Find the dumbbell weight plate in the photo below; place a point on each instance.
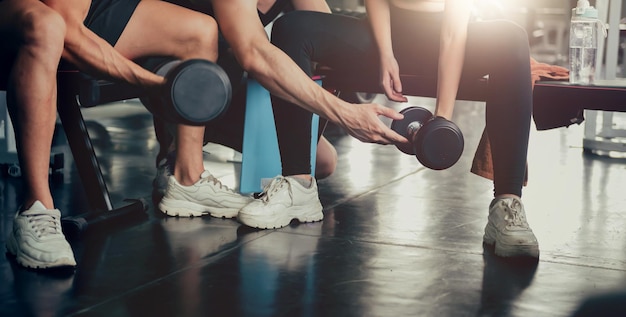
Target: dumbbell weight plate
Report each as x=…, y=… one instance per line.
x=439, y=144
x=411, y=114
x=200, y=90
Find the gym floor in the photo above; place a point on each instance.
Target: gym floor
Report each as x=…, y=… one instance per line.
x=397, y=239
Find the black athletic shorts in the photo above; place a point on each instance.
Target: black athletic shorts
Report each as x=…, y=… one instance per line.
x=108, y=18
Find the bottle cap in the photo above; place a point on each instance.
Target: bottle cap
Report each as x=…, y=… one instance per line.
x=585, y=10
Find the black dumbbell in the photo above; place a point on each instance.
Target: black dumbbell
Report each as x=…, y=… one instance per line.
x=196, y=91
x=435, y=141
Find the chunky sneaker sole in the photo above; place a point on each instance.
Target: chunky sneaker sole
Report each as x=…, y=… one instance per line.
x=24, y=260
x=37, y=241
x=181, y=208
x=208, y=196
x=508, y=250
x=283, y=200
x=302, y=214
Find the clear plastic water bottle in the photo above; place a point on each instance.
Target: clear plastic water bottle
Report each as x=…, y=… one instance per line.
x=583, y=43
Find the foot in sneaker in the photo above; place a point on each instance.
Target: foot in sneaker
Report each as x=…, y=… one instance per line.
x=37, y=240
x=508, y=229
x=283, y=200
x=206, y=196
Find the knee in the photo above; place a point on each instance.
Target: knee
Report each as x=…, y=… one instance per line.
x=326, y=159
x=200, y=38
x=291, y=28
x=43, y=32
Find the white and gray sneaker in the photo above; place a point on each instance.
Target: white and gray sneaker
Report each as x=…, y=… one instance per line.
x=207, y=196
x=37, y=240
x=508, y=229
x=283, y=200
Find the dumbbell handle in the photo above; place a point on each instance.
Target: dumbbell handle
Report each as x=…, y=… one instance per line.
x=435, y=141
x=413, y=128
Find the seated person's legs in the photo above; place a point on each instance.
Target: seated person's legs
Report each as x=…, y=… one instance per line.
x=185, y=35
x=228, y=130
x=501, y=50
x=498, y=49
x=341, y=42
x=32, y=36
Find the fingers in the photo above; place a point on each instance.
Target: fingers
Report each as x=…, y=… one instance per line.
x=394, y=95
x=386, y=134
x=396, y=83
x=389, y=113
x=392, y=137
x=393, y=88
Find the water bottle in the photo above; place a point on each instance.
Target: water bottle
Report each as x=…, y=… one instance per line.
x=583, y=43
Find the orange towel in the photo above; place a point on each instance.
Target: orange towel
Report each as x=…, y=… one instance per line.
x=483, y=163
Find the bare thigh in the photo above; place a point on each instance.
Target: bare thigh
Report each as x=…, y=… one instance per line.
x=165, y=29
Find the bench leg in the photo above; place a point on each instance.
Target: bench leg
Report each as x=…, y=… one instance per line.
x=102, y=210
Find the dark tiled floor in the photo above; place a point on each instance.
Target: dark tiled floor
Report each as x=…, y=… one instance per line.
x=397, y=239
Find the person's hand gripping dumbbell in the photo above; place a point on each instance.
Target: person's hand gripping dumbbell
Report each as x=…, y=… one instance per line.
x=435, y=141
x=195, y=92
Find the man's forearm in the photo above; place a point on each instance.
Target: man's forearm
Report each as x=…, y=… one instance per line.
x=92, y=54
x=283, y=78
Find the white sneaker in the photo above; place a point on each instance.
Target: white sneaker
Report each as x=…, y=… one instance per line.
x=508, y=229
x=206, y=196
x=37, y=240
x=283, y=200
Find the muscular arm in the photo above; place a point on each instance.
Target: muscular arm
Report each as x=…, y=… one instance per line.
x=275, y=70
x=240, y=25
x=451, y=54
x=92, y=54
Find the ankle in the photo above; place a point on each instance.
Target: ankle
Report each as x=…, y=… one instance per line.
x=187, y=177
x=507, y=196
x=304, y=179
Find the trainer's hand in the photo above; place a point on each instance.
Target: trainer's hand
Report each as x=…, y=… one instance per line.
x=362, y=122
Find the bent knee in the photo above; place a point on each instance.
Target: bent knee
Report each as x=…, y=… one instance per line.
x=293, y=26
x=200, y=37
x=42, y=28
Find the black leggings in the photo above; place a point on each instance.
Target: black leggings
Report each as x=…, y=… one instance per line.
x=495, y=48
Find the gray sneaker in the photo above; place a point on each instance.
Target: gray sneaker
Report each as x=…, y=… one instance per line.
x=508, y=229
x=207, y=196
x=37, y=240
x=282, y=200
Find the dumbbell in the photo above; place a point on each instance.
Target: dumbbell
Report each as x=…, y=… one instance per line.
x=435, y=141
x=196, y=91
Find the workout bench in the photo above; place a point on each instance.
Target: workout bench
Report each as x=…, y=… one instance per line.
x=555, y=103
x=76, y=90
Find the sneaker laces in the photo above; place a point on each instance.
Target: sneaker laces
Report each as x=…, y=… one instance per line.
x=270, y=189
x=44, y=224
x=216, y=182
x=515, y=214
